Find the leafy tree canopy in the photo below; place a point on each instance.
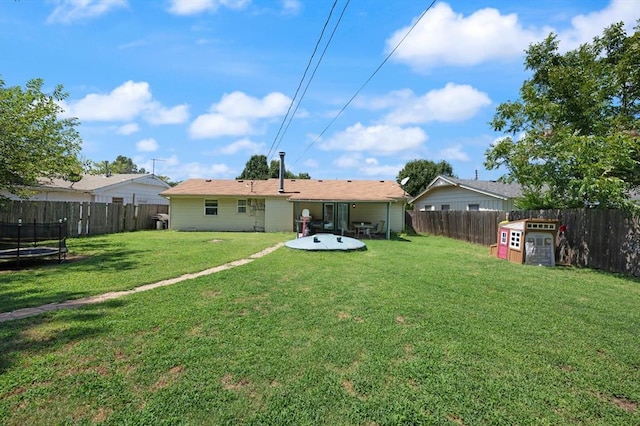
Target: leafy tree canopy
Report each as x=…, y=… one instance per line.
x=34, y=141
x=121, y=165
x=258, y=169
x=421, y=173
x=274, y=172
x=572, y=138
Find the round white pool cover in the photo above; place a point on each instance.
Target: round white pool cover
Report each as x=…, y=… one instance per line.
x=325, y=242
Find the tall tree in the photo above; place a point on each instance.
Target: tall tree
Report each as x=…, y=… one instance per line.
x=572, y=138
x=274, y=172
x=421, y=173
x=256, y=168
x=121, y=165
x=34, y=141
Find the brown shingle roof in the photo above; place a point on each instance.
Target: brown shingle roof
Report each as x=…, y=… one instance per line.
x=294, y=189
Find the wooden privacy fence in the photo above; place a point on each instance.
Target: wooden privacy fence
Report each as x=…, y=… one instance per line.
x=601, y=239
x=84, y=218
x=473, y=226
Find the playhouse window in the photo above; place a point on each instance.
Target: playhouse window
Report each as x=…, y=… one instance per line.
x=515, y=239
x=503, y=237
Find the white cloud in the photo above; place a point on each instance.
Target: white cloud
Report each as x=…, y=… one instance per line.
x=215, y=125
x=124, y=103
x=311, y=163
x=389, y=171
x=380, y=139
x=128, y=129
x=291, y=7
x=237, y=114
x=238, y=104
x=453, y=153
x=67, y=11
x=147, y=145
x=194, y=7
x=586, y=27
x=157, y=114
x=242, y=145
x=444, y=37
x=452, y=103
x=348, y=161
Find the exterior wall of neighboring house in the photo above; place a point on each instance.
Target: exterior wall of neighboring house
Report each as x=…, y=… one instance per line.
x=53, y=195
x=131, y=193
x=143, y=190
x=456, y=198
x=278, y=215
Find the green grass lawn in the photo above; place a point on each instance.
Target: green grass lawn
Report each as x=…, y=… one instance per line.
x=421, y=331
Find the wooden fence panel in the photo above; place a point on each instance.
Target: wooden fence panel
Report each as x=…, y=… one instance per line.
x=600, y=239
x=475, y=227
x=83, y=218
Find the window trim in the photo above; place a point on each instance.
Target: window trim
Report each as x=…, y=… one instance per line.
x=209, y=204
x=242, y=208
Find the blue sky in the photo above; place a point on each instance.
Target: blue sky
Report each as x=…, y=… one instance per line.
x=202, y=85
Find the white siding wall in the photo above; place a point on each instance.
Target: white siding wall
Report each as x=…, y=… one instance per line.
x=143, y=194
x=187, y=214
x=53, y=196
x=459, y=199
x=278, y=215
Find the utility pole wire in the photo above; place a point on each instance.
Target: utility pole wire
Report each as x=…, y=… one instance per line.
x=367, y=81
x=326, y=47
x=315, y=49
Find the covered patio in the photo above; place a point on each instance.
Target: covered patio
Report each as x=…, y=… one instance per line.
x=359, y=209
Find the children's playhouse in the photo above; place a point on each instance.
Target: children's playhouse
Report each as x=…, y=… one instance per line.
x=529, y=241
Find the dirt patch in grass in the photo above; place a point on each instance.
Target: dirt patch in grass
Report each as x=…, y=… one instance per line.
x=349, y=388
x=102, y=415
x=169, y=377
x=620, y=401
x=343, y=315
x=215, y=241
x=27, y=264
x=400, y=319
x=230, y=384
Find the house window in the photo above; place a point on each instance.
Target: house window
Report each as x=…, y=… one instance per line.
x=210, y=207
x=427, y=208
x=444, y=207
x=117, y=200
x=473, y=207
x=514, y=243
x=242, y=206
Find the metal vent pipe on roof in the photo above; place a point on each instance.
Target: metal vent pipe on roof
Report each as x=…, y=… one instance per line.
x=281, y=189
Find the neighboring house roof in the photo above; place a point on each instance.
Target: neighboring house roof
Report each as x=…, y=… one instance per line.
x=90, y=183
x=294, y=189
x=491, y=188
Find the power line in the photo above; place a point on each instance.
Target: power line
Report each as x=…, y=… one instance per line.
x=326, y=47
x=367, y=81
x=315, y=49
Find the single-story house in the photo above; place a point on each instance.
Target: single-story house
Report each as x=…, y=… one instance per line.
x=117, y=188
x=276, y=205
x=448, y=193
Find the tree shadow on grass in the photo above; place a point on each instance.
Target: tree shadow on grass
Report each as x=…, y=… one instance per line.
x=49, y=332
